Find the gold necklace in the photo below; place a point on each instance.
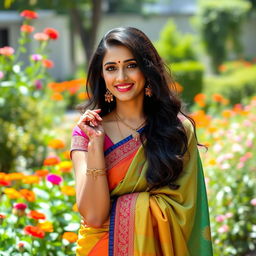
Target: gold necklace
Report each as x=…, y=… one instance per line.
x=135, y=133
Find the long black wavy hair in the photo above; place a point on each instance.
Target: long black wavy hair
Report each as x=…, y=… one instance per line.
x=166, y=140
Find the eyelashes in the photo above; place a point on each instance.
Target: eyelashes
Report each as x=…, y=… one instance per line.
x=112, y=68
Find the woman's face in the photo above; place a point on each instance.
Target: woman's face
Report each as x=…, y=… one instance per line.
x=122, y=75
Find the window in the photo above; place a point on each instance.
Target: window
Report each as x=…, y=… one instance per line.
x=4, y=37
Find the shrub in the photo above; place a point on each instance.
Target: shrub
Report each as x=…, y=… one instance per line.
x=174, y=47
x=189, y=74
x=235, y=83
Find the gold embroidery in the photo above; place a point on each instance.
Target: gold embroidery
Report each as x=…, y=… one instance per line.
x=79, y=142
x=207, y=233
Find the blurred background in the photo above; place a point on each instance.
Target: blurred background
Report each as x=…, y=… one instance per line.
x=210, y=47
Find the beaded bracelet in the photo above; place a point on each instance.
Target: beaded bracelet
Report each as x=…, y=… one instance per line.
x=95, y=172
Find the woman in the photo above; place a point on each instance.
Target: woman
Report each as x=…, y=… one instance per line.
x=139, y=180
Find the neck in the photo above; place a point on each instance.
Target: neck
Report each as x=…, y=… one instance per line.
x=130, y=111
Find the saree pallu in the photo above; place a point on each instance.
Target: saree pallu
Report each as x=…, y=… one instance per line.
x=156, y=222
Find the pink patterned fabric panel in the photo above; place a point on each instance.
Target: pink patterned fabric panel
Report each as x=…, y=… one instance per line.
x=124, y=225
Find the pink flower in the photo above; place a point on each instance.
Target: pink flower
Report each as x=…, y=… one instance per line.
x=249, y=143
x=223, y=229
x=38, y=84
x=253, y=202
x=240, y=165
x=54, y=179
x=1, y=74
x=20, y=206
x=229, y=215
x=220, y=218
x=36, y=57
x=41, y=37
x=7, y=51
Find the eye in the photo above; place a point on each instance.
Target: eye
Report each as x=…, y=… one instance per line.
x=132, y=65
x=110, y=68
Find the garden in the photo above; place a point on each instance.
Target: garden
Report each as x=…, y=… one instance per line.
x=38, y=213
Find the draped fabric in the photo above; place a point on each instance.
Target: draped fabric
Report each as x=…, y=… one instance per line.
x=157, y=222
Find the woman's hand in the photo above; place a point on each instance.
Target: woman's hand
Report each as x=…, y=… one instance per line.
x=90, y=124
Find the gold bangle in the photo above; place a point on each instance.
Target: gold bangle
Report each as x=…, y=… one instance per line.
x=94, y=172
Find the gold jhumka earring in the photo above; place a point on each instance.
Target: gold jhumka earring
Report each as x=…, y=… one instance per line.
x=108, y=96
x=148, y=91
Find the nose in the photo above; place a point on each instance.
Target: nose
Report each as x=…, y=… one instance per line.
x=121, y=76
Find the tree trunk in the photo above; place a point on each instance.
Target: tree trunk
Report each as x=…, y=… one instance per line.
x=87, y=35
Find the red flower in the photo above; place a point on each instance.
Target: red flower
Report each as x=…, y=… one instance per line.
x=52, y=33
x=34, y=231
x=27, y=28
x=36, y=215
x=48, y=63
x=29, y=14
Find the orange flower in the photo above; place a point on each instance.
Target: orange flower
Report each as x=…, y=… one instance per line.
x=74, y=208
x=56, y=144
x=28, y=195
x=48, y=63
x=34, y=231
x=82, y=96
x=12, y=193
x=36, y=215
x=227, y=113
x=70, y=236
x=178, y=87
x=51, y=160
x=222, y=68
x=15, y=176
x=41, y=173
x=30, y=179
x=4, y=180
x=57, y=96
x=27, y=28
x=29, y=14
x=66, y=154
x=7, y=51
x=41, y=37
x=217, y=97
x=65, y=166
x=200, y=99
x=57, y=87
x=52, y=33
x=45, y=226
x=68, y=190
x=201, y=119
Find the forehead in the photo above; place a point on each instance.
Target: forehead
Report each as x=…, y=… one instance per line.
x=117, y=53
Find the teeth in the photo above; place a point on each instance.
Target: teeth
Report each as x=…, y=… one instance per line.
x=124, y=87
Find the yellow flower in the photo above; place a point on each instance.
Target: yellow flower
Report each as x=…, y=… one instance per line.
x=65, y=166
x=30, y=179
x=12, y=193
x=68, y=190
x=15, y=176
x=45, y=226
x=74, y=208
x=212, y=162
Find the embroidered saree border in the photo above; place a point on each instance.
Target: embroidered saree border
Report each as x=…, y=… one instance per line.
x=123, y=242
x=120, y=153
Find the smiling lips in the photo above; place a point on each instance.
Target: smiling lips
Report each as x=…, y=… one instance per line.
x=124, y=87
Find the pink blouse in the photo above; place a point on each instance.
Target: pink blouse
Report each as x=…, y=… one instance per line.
x=80, y=141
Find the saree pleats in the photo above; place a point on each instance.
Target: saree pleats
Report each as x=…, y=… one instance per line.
x=156, y=222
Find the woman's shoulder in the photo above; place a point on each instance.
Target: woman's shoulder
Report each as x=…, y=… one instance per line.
x=188, y=125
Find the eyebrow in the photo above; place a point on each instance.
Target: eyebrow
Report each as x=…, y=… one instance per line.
x=115, y=62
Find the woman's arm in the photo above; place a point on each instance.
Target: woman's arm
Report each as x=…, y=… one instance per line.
x=92, y=194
